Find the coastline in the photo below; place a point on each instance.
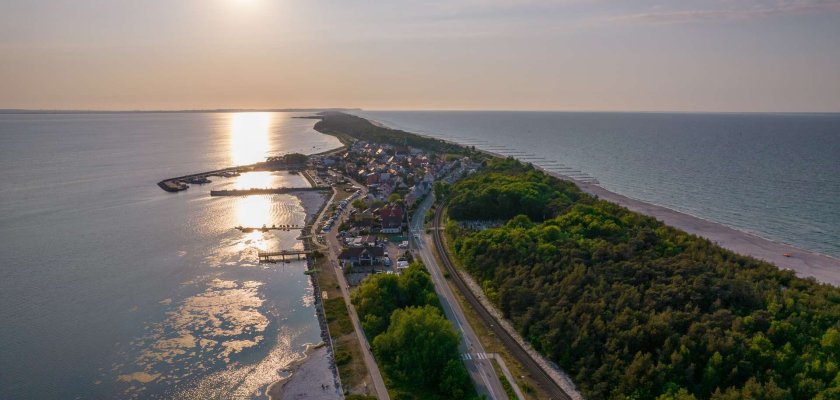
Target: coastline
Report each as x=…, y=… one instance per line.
x=805, y=263
x=305, y=374
x=317, y=366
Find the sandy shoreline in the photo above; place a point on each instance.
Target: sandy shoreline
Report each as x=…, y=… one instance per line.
x=311, y=378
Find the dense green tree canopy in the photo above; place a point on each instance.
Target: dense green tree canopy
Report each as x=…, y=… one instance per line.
x=507, y=188
x=417, y=346
x=632, y=308
x=414, y=344
x=379, y=295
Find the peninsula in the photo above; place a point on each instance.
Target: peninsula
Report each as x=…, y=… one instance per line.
x=626, y=305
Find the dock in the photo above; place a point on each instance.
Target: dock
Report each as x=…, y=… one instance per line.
x=275, y=256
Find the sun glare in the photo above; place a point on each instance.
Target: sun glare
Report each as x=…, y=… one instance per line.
x=256, y=179
x=249, y=137
x=253, y=211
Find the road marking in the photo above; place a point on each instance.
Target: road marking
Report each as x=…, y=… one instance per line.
x=477, y=356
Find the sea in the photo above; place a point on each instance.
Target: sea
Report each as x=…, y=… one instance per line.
x=773, y=175
x=111, y=288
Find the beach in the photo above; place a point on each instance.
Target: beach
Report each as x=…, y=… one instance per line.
x=306, y=376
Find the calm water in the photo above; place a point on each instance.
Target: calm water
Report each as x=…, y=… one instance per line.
x=112, y=288
x=777, y=176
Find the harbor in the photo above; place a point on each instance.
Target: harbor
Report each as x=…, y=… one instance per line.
x=293, y=163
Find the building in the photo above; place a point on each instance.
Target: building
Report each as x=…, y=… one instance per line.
x=358, y=256
x=392, y=217
x=365, y=241
x=364, y=218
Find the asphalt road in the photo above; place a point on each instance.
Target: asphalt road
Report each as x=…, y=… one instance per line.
x=478, y=365
x=532, y=367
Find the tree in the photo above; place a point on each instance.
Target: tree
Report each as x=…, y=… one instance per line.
x=417, y=347
x=295, y=158
x=394, y=198
x=359, y=204
x=441, y=189
x=375, y=300
x=379, y=295
x=632, y=308
x=456, y=380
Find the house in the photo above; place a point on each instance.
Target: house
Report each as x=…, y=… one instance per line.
x=392, y=217
x=365, y=218
x=357, y=256
x=364, y=241
x=368, y=240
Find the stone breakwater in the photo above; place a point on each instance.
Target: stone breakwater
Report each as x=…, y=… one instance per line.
x=322, y=322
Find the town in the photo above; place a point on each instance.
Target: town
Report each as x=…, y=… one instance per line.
x=385, y=183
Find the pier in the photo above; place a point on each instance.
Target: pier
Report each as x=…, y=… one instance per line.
x=255, y=191
x=274, y=256
x=264, y=228
x=180, y=183
x=274, y=163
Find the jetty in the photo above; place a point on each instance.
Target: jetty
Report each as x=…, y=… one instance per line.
x=273, y=163
x=265, y=228
x=255, y=191
x=180, y=183
x=282, y=255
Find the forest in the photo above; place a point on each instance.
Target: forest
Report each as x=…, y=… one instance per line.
x=415, y=346
x=634, y=309
x=346, y=126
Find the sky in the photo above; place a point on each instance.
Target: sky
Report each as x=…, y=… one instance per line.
x=594, y=55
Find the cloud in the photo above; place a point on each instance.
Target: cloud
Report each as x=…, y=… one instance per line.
x=739, y=13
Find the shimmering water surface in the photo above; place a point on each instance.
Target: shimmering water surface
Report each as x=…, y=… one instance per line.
x=775, y=175
x=113, y=288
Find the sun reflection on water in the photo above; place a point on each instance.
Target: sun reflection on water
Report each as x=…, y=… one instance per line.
x=249, y=137
x=253, y=211
x=256, y=179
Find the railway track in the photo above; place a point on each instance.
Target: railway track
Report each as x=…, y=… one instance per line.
x=542, y=378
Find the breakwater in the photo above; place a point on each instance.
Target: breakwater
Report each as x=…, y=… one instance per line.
x=180, y=183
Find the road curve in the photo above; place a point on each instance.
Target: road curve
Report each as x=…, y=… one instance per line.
x=542, y=379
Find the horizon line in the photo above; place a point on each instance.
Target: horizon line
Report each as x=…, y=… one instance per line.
x=344, y=109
